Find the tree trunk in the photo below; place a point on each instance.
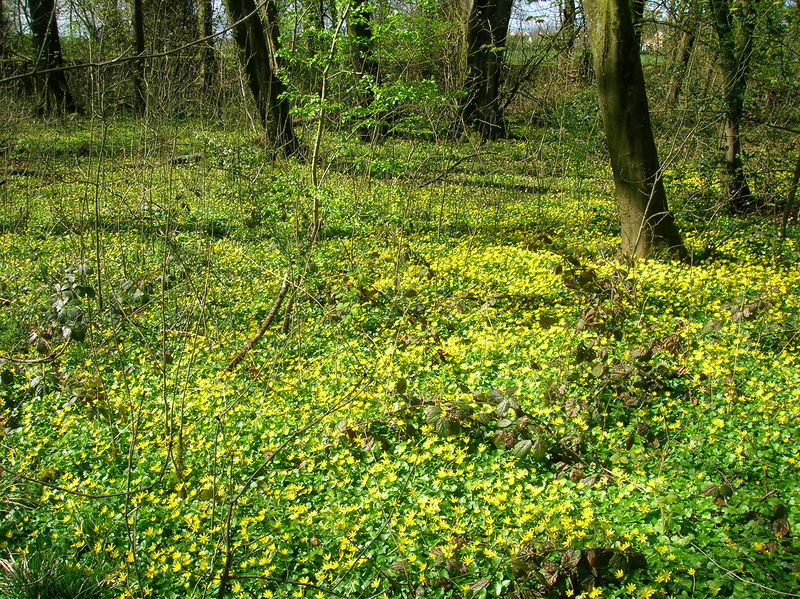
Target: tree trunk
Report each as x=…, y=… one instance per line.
x=3, y=31
x=789, y=205
x=487, y=28
x=359, y=28
x=139, y=87
x=257, y=49
x=683, y=52
x=208, y=60
x=568, y=25
x=56, y=95
x=182, y=19
x=646, y=221
x=735, y=37
x=637, y=15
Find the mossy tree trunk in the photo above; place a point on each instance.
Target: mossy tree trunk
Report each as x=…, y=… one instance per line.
x=646, y=221
x=258, y=42
x=56, y=95
x=734, y=26
x=487, y=29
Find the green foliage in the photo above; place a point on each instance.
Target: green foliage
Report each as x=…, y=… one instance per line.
x=45, y=575
x=466, y=394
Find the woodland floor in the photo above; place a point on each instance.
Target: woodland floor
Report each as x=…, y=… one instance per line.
x=466, y=393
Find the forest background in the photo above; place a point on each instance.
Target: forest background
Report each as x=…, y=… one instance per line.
x=351, y=298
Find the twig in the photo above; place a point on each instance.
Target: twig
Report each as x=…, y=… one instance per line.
x=276, y=305
x=225, y=576
x=31, y=479
x=448, y=169
x=122, y=58
x=744, y=580
x=768, y=495
x=772, y=125
x=49, y=358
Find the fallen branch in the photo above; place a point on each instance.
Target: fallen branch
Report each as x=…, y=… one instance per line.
x=265, y=324
x=449, y=168
x=171, y=161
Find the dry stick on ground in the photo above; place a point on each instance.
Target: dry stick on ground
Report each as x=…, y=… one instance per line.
x=449, y=168
x=172, y=161
x=276, y=305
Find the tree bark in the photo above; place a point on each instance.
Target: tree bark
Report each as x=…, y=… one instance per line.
x=637, y=16
x=208, y=60
x=568, y=25
x=359, y=28
x=139, y=86
x=487, y=29
x=3, y=31
x=258, y=44
x=683, y=52
x=56, y=95
x=789, y=205
x=735, y=37
x=646, y=221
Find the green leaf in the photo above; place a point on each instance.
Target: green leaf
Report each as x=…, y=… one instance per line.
x=479, y=585
x=522, y=448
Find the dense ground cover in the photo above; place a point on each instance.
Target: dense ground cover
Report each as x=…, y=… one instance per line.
x=467, y=393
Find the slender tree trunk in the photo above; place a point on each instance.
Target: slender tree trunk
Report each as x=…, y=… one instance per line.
x=257, y=48
x=359, y=27
x=3, y=31
x=683, y=53
x=735, y=37
x=568, y=25
x=487, y=28
x=582, y=55
x=56, y=95
x=789, y=205
x=185, y=17
x=139, y=86
x=646, y=221
x=208, y=60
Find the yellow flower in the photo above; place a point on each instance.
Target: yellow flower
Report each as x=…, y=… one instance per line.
x=595, y=592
